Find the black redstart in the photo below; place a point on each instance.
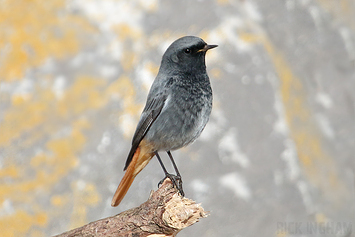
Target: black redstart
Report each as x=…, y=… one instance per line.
x=178, y=107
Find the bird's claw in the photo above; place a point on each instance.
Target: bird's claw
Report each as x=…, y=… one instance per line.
x=177, y=182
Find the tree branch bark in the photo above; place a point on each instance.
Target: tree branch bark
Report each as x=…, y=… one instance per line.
x=163, y=215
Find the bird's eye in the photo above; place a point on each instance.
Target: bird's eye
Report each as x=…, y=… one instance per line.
x=187, y=51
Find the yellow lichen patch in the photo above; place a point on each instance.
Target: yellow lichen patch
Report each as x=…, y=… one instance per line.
x=153, y=68
x=10, y=172
x=67, y=147
x=204, y=34
x=282, y=233
x=321, y=218
x=215, y=73
x=39, y=160
x=24, y=222
x=125, y=31
x=85, y=195
x=58, y=200
x=18, y=100
x=32, y=31
x=250, y=38
x=129, y=60
x=23, y=118
x=125, y=90
x=84, y=94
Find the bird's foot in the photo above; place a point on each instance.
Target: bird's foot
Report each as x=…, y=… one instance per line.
x=177, y=182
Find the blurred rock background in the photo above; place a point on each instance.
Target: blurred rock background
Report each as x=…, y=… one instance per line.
x=278, y=150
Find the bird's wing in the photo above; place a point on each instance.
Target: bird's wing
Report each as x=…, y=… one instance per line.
x=149, y=115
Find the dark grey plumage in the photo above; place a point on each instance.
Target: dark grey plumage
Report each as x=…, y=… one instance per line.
x=179, y=102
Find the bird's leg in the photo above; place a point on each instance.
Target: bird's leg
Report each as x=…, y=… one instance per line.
x=178, y=176
x=175, y=179
x=175, y=166
x=161, y=163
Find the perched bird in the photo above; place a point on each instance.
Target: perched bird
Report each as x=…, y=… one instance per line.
x=178, y=107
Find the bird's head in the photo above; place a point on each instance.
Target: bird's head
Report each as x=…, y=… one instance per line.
x=186, y=54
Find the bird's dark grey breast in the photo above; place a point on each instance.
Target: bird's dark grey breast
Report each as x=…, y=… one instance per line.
x=185, y=113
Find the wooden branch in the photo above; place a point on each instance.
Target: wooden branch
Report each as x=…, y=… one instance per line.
x=163, y=215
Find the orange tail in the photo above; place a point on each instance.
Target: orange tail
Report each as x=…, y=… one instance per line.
x=140, y=159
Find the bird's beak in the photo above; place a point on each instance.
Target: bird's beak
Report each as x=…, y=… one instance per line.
x=207, y=47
